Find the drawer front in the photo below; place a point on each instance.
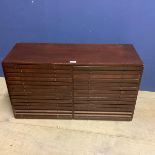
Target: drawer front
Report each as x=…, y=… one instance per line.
x=40, y=90
x=68, y=91
x=102, y=92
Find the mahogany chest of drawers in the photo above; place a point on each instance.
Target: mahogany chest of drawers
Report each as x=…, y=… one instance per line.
x=73, y=81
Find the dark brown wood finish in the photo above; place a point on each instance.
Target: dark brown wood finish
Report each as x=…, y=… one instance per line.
x=102, y=84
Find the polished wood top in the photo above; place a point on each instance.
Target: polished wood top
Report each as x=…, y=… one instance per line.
x=85, y=54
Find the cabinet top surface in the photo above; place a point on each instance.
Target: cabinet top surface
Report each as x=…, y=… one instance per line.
x=102, y=54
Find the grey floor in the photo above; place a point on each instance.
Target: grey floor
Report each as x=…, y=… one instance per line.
x=75, y=137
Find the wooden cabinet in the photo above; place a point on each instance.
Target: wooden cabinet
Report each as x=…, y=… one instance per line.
x=73, y=81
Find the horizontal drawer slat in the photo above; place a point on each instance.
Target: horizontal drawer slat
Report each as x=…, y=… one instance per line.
x=51, y=107
x=104, y=95
x=98, y=117
x=93, y=81
x=107, y=72
x=45, y=75
x=112, y=109
x=103, y=76
x=100, y=89
x=35, y=87
x=37, y=66
x=39, y=79
x=53, y=83
x=103, y=99
x=28, y=97
x=43, y=116
x=45, y=111
x=102, y=106
x=102, y=68
x=33, y=93
x=104, y=102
